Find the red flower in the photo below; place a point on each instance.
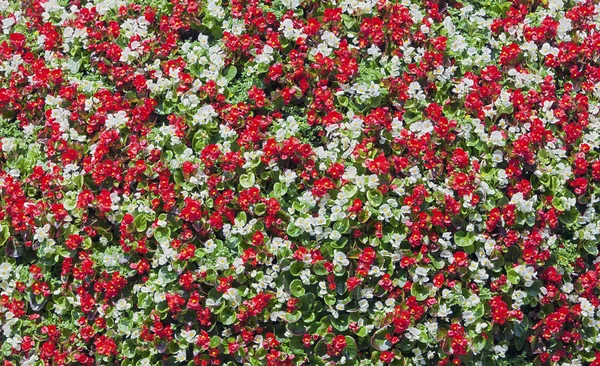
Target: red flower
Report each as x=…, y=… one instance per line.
x=105, y=346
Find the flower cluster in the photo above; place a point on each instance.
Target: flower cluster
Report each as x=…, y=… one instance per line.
x=299, y=182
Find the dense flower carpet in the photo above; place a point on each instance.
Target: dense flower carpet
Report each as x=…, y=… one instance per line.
x=299, y=182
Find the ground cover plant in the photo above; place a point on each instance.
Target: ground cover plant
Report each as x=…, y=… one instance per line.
x=299, y=182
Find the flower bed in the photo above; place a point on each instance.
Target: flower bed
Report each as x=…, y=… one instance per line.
x=294, y=182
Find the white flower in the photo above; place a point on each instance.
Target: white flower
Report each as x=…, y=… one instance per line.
x=181, y=356
x=204, y=115
x=396, y=240
x=421, y=271
x=564, y=27
x=30, y=361
x=459, y=44
x=291, y=4
x=8, y=144
x=421, y=127
x=122, y=304
x=469, y=317
x=189, y=335
x=496, y=138
x=587, y=309
x=330, y=39
x=567, y=287
x=528, y=274
x=547, y=49
x=497, y=156
x=415, y=91
x=335, y=235
x=443, y=311
x=339, y=258
x=374, y=50
x=210, y=246
x=41, y=233
x=500, y=350
x=116, y=121
x=222, y=263
x=522, y=204
x=5, y=269
x=364, y=305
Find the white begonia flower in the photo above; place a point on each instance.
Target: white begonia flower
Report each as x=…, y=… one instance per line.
x=221, y=263
x=41, y=233
x=117, y=120
x=496, y=138
x=421, y=127
x=122, y=305
x=189, y=335
x=8, y=144
x=339, y=258
x=330, y=39
x=469, y=317
x=5, y=270
x=443, y=311
x=291, y=4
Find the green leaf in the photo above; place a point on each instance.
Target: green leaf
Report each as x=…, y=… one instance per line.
x=167, y=275
x=340, y=243
x=342, y=226
x=558, y=203
x=162, y=234
x=419, y=291
x=260, y=209
x=589, y=247
x=479, y=343
x=296, y=268
x=351, y=349
x=215, y=341
x=140, y=223
x=208, y=22
x=350, y=190
x=297, y=288
x=128, y=349
x=479, y=310
x=488, y=361
x=242, y=218
x=4, y=232
x=125, y=325
x=231, y=72
x=247, y=180
x=512, y=276
x=293, y=230
x=78, y=181
x=521, y=327
x=348, y=21
x=375, y=197
x=569, y=217
x=500, y=8
x=227, y=316
x=379, y=340
x=534, y=289
x=555, y=184
x=164, y=108
x=319, y=268
x=362, y=332
x=293, y=317
x=329, y=299
x=340, y=323
x=295, y=328
x=279, y=189
x=364, y=216
x=464, y=239
x=144, y=300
